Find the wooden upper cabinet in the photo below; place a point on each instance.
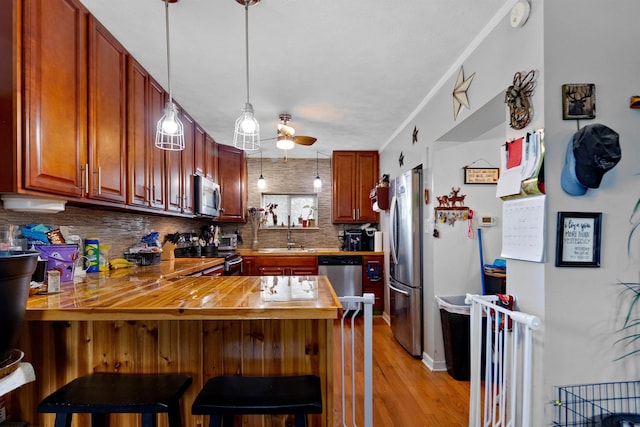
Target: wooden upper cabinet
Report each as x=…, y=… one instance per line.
x=211, y=158
x=188, y=163
x=199, y=150
x=355, y=173
x=107, y=115
x=139, y=137
x=157, y=173
x=232, y=177
x=55, y=97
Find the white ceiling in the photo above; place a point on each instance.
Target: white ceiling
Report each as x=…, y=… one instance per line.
x=350, y=72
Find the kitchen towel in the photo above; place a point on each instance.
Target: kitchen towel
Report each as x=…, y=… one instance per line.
x=377, y=242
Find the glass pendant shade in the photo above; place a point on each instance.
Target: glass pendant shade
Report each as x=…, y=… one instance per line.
x=169, y=130
x=317, y=182
x=246, y=135
x=284, y=142
x=261, y=182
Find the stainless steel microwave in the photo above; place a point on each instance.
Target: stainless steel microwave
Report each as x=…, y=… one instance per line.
x=228, y=242
x=207, y=196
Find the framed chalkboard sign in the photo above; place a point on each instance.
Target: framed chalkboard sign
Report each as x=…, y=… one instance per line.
x=578, y=239
x=481, y=175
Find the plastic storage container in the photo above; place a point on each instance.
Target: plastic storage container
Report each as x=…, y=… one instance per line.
x=61, y=258
x=455, y=316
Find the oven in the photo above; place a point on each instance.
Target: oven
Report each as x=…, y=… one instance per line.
x=233, y=265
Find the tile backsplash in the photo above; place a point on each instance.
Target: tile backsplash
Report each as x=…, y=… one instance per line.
x=122, y=229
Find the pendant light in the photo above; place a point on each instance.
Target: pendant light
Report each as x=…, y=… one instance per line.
x=246, y=135
x=169, y=130
x=261, y=181
x=317, y=182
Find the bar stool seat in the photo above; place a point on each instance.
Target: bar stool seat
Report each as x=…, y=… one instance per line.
x=225, y=396
x=101, y=394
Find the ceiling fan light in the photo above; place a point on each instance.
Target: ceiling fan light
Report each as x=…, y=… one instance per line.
x=169, y=130
x=284, y=142
x=286, y=129
x=246, y=135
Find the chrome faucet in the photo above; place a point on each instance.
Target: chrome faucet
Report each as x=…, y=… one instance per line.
x=290, y=244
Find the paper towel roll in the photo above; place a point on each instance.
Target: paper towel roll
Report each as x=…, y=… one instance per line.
x=377, y=242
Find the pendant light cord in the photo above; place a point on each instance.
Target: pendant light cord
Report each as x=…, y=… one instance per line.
x=166, y=10
x=246, y=41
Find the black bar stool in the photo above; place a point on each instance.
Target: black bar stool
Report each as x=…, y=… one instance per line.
x=224, y=397
x=101, y=394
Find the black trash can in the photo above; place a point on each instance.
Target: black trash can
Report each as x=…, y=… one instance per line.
x=455, y=316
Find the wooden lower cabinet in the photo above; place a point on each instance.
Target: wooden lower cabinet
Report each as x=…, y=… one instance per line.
x=286, y=266
x=373, y=279
x=63, y=350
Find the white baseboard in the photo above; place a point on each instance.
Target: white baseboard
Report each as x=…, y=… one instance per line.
x=436, y=366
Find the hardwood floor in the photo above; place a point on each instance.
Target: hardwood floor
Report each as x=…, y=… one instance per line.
x=405, y=392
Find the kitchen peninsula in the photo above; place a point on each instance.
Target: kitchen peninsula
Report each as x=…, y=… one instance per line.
x=159, y=319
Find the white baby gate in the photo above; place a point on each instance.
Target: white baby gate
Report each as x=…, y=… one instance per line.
x=352, y=307
x=507, y=363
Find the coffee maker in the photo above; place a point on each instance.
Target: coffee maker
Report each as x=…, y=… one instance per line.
x=353, y=240
x=367, y=240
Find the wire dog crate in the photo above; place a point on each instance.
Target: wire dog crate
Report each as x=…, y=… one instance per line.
x=593, y=405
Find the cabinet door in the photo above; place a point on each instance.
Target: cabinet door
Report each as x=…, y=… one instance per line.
x=107, y=119
x=343, y=183
x=55, y=96
x=139, y=139
x=354, y=175
x=366, y=178
x=200, y=151
x=188, y=163
x=156, y=163
x=248, y=266
x=232, y=177
x=373, y=279
x=211, y=156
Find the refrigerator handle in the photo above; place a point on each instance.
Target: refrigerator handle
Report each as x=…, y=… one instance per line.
x=392, y=230
x=400, y=291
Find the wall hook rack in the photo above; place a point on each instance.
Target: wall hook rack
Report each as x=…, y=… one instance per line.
x=451, y=207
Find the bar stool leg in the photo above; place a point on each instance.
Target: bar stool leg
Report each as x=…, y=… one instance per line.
x=175, y=420
x=99, y=420
x=216, y=421
x=63, y=420
x=149, y=420
x=300, y=420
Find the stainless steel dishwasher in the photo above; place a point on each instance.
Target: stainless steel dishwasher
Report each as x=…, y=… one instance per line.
x=344, y=273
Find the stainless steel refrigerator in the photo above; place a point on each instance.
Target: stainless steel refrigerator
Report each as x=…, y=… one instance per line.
x=405, y=279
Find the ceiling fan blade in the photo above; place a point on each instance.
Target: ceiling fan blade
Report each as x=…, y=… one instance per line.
x=304, y=140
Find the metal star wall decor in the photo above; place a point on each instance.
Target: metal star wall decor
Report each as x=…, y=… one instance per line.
x=401, y=159
x=415, y=134
x=460, y=93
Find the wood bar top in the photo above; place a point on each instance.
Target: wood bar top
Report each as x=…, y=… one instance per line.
x=166, y=292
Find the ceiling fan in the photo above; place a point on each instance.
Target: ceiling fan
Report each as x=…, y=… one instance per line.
x=286, y=137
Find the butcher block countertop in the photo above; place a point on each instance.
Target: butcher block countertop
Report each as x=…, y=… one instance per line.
x=166, y=292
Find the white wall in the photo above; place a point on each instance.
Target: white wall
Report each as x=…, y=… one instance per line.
x=584, y=306
x=573, y=41
x=498, y=53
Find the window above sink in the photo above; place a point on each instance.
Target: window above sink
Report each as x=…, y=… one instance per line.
x=300, y=207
